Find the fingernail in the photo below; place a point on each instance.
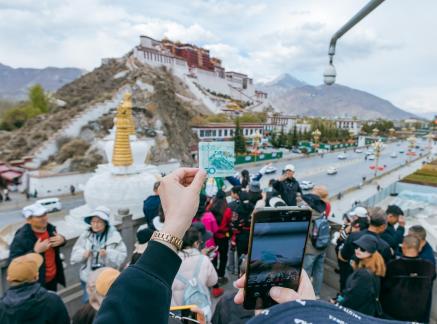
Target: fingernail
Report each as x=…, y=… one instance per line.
x=275, y=292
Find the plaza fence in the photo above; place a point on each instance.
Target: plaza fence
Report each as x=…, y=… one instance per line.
x=241, y=159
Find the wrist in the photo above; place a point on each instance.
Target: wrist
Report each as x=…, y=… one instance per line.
x=179, y=232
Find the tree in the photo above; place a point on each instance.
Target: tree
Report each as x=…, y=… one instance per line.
x=239, y=140
x=295, y=141
x=38, y=98
x=282, y=140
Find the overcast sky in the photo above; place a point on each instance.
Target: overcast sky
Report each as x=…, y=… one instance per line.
x=392, y=53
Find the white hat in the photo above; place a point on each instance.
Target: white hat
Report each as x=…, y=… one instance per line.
x=359, y=211
x=276, y=202
x=289, y=167
x=101, y=212
x=34, y=210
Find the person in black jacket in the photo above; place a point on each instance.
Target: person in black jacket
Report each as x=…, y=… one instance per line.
x=26, y=301
x=287, y=186
x=39, y=236
x=363, y=285
x=151, y=206
x=394, y=236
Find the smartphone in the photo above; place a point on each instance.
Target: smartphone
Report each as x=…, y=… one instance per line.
x=186, y=314
x=276, y=250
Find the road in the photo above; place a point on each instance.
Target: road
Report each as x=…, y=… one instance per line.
x=13, y=216
x=313, y=168
x=350, y=171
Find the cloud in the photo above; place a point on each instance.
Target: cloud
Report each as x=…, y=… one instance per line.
x=417, y=99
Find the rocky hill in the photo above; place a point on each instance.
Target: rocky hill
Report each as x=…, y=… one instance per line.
x=157, y=106
x=15, y=82
x=292, y=96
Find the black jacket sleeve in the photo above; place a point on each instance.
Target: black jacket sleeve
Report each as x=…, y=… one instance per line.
x=58, y=312
x=142, y=293
x=20, y=245
x=277, y=185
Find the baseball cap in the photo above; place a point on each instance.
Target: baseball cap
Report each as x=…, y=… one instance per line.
x=101, y=212
x=289, y=167
x=367, y=242
x=105, y=280
x=394, y=210
x=36, y=210
x=359, y=211
x=254, y=186
x=24, y=268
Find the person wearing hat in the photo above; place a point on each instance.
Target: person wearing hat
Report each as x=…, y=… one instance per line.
x=98, y=284
x=287, y=186
x=99, y=246
x=394, y=236
x=39, y=236
x=26, y=301
x=363, y=285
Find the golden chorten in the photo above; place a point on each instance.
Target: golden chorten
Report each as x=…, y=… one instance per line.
x=122, y=153
x=127, y=103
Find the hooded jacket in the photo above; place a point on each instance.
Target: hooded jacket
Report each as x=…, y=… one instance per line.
x=24, y=242
x=31, y=303
x=318, y=206
x=115, y=249
x=151, y=209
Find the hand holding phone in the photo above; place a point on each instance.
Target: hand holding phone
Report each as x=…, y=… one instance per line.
x=280, y=294
x=276, y=250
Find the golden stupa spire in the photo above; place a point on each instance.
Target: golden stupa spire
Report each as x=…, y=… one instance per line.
x=122, y=154
x=127, y=103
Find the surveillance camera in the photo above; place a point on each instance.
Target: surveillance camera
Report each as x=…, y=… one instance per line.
x=329, y=74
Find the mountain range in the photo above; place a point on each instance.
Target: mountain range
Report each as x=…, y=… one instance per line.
x=14, y=82
x=292, y=96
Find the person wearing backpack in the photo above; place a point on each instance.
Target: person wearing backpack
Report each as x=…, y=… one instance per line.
x=196, y=274
x=318, y=238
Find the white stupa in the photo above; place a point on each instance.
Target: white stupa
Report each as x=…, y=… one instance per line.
x=122, y=183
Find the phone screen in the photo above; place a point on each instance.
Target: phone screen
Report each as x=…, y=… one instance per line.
x=277, y=246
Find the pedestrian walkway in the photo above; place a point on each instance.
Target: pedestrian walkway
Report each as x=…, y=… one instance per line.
x=339, y=207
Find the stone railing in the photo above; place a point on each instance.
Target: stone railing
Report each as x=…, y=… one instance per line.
x=72, y=293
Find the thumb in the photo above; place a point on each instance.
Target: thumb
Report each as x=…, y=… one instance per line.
x=283, y=295
x=198, y=181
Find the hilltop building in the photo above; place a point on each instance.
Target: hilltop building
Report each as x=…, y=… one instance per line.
x=197, y=68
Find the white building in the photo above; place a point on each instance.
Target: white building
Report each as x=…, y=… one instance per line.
x=349, y=124
x=225, y=131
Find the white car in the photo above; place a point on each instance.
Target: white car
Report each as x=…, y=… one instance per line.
x=306, y=185
x=50, y=204
x=331, y=171
x=393, y=155
x=270, y=169
x=358, y=151
x=371, y=157
x=342, y=156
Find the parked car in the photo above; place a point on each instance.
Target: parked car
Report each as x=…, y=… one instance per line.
x=358, y=151
x=306, y=185
x=297, y=151
x=270, y=169
x=342, y=156
x=393, y=155
x=371, y=157
x=331, y=171
x=50, y=204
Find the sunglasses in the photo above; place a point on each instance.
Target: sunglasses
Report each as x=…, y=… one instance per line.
x=361, y=249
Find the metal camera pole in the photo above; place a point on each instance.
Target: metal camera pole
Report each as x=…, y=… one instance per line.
x=330, y=74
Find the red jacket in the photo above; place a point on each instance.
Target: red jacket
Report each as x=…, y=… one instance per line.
x=225, y=225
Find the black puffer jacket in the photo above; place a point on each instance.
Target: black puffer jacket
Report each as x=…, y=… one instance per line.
x=24, y=242
x=288, y=190
x=31, y=303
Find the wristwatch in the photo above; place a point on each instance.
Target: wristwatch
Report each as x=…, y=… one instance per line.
x=166, y=237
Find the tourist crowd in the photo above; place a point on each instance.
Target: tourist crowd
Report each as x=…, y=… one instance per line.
x=196, y=237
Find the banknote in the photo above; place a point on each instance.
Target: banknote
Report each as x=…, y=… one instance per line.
x=217, y=158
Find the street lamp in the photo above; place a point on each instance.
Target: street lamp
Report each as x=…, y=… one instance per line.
x=375, y=132
x=316, y=136
x=430, y=138
x=392, y=132
x=378, y=147
x=329, y=73
x=412, y=144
